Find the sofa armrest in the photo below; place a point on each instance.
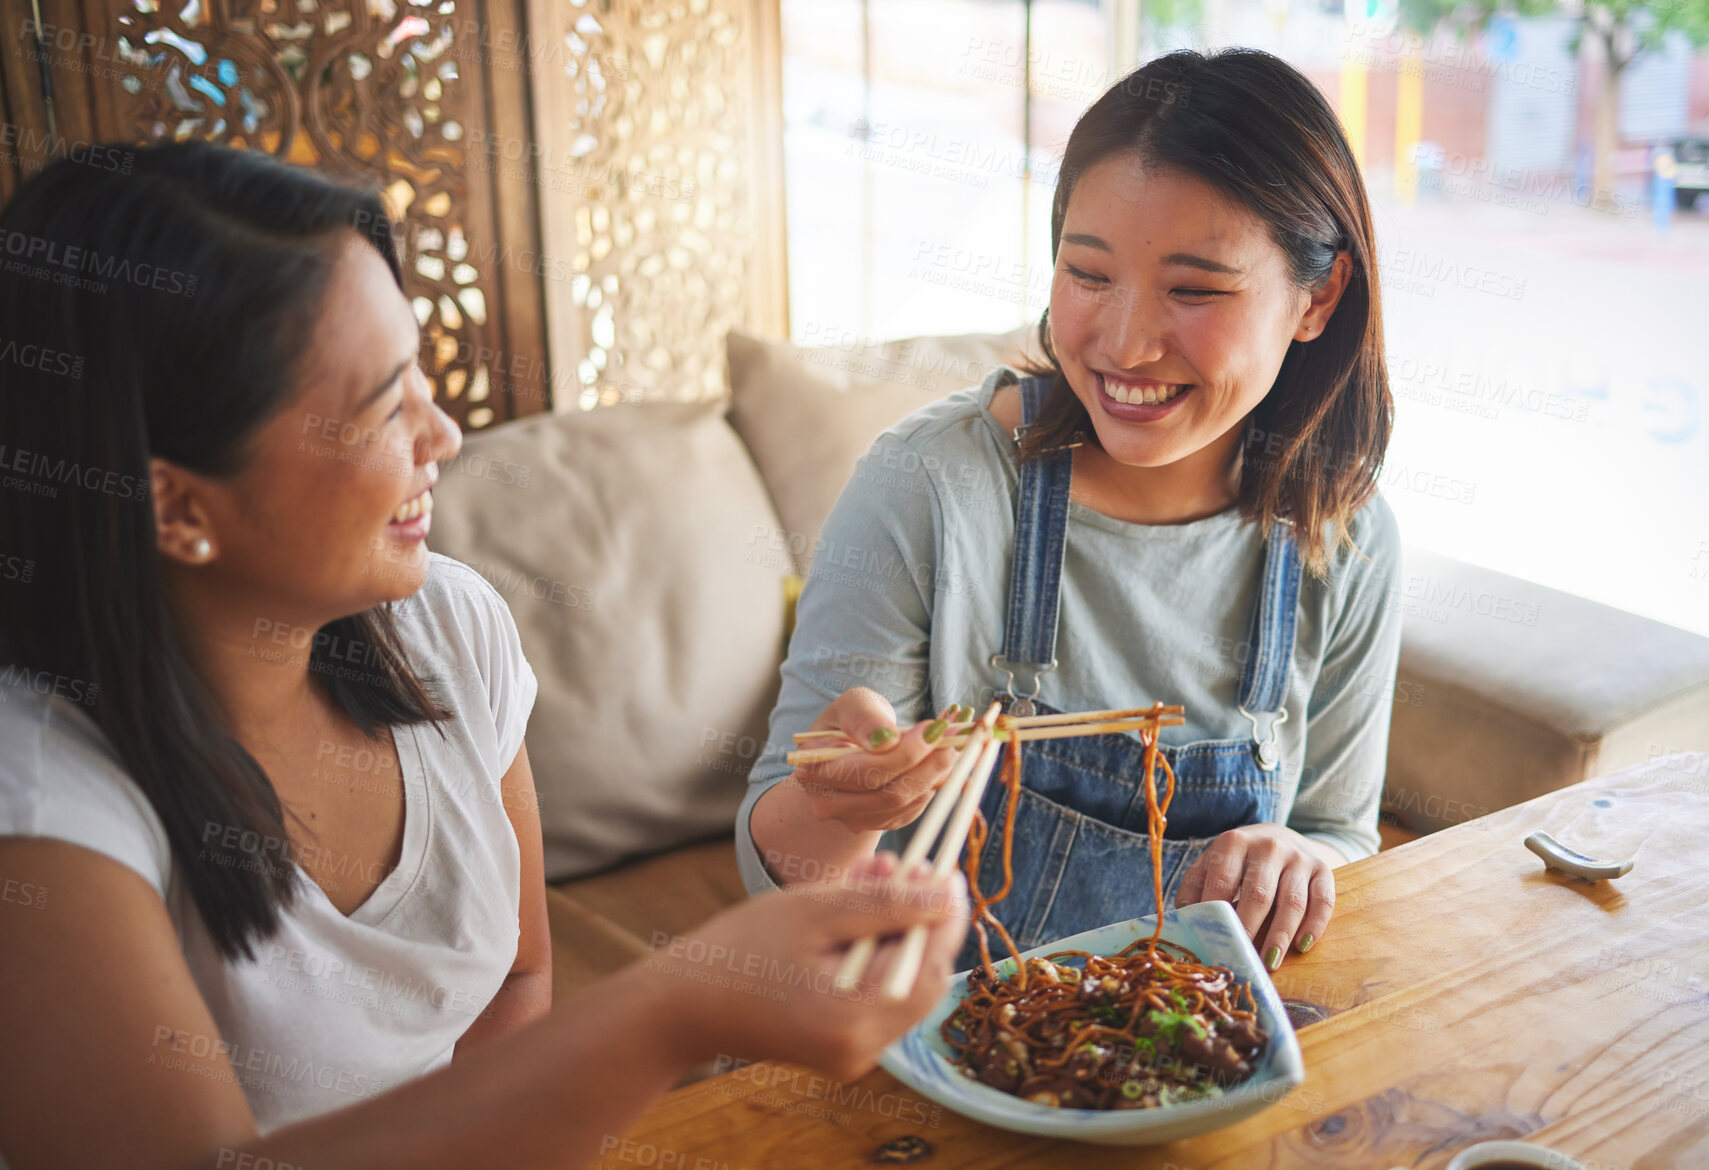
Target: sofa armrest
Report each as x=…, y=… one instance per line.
x=1507, y=690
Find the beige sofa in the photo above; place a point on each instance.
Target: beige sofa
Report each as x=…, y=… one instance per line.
x=650, y=555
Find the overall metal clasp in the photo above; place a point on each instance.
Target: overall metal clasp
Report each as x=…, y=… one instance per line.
x=1028, y=672
x=1269, y=750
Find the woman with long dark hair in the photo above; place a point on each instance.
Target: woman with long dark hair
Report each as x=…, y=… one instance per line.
x=1179, y=506
x=268, y=844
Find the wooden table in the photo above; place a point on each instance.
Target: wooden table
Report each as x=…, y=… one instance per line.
x=1462, y=994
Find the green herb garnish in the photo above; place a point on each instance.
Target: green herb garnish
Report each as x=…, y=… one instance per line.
x=1171, y=1023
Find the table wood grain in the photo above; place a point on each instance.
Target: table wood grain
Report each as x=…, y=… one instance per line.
x=1462, y=994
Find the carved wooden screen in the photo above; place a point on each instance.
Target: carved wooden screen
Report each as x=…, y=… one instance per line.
x=408, y=95
x=662, y=121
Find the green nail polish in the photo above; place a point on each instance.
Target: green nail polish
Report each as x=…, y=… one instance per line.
x=1305, y=943
x=1273, y=957
x=880, y=737
x=935, y=729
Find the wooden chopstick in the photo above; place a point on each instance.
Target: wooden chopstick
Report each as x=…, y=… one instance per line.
x=1019, y=721
x=925, y=832
x=899, y=983
x=961, y=791
x=1025, y=734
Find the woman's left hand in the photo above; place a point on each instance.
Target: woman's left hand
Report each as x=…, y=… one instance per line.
x=1284, y=884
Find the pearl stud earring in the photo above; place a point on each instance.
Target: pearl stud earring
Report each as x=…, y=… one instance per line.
x=202, y=548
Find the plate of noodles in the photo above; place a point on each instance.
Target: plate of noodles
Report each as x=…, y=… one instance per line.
x=1123, y=1035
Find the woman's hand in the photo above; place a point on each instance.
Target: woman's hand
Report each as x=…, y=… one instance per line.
x=759, y=980
x=888, y=784
x=1282, y=883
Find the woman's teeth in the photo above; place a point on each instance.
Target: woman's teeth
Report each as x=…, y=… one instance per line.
x=1153, y=393
x=421, y=505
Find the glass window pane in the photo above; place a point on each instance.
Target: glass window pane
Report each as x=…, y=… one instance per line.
x=1541, y=293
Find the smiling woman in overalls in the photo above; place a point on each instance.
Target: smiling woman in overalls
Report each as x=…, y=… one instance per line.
x=1179, y=506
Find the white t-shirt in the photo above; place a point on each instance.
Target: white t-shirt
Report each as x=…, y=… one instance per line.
x=332, y=1010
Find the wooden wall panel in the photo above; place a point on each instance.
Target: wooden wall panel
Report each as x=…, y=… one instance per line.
x=659, y=157
x=404, y=95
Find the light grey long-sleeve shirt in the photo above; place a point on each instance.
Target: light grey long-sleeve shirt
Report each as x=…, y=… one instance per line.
x=909, y=586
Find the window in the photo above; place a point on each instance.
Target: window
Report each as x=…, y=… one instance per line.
x=1544, y=343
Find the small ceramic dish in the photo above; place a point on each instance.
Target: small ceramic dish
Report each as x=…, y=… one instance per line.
x=922, y=1060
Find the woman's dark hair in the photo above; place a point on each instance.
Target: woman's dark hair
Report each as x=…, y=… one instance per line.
x=1259, y=132
x=156, y=302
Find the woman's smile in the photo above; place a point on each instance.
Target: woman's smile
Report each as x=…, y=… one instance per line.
x=1128, y=400
x=413, y=518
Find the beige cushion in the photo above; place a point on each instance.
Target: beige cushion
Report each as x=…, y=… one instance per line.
x=1508, y=690
x=808, y=413
x=619, y=538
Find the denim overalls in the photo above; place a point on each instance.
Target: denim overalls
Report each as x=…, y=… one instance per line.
x=1081, y=855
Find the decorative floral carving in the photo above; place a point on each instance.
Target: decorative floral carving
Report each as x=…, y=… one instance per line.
x=650, y=131
x=368, y=90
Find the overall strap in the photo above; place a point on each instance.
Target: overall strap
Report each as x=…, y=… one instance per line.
x=1270, y=646
x=1035, y=575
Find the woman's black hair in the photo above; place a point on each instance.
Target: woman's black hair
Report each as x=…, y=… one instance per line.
x=156, y=302
x=1258, y=131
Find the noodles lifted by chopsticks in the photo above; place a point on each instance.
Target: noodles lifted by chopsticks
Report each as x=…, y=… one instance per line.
x=1148, y=1026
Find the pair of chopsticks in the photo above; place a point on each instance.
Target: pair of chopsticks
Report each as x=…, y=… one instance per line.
x=1030, y=727
x=956, y=802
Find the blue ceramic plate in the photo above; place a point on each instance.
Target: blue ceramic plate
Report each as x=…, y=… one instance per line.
x=922, y=1061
